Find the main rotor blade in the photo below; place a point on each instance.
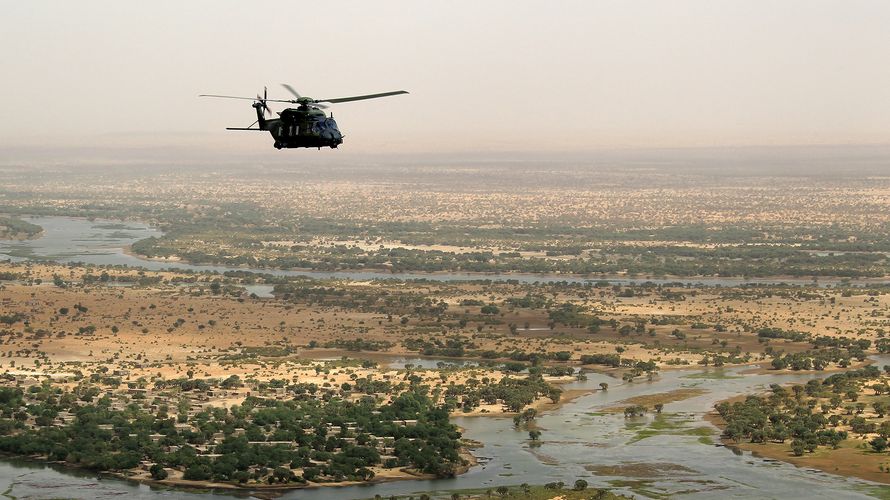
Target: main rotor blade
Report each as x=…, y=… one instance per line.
x=291, y=90
x=246, y=98
x=361, y=97
x=227, y=97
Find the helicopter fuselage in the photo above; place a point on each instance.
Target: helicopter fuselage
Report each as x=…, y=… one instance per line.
x=303, y=127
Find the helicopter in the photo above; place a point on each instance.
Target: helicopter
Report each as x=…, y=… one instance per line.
x=305, y=126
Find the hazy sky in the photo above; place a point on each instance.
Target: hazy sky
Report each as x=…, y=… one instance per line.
x=483, y=75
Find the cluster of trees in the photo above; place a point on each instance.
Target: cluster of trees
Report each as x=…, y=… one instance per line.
x=359, y=344
x=612, y=360
x=514, y=393
x=11, y=227
x=104, y=277
x=638, y=368
x=457, y=346
x=573, y=315
x=324, y=440
x=11, y=319
x=805, y=414
x=818, y=359
x=740, y=260
x=778, y=333
x=453, y=347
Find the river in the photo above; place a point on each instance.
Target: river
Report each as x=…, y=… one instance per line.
x=677, y=459
x=672, y=454
x=102, y=242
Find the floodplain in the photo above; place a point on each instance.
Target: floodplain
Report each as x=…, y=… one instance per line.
x=426, y=328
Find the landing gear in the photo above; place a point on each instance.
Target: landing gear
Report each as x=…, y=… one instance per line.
x=278, y=145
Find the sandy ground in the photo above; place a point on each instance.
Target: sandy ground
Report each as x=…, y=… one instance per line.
x=650, y=400
x=169, y=330
x=176, y=324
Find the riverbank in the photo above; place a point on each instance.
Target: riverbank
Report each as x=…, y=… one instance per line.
x=128, y=251
x=255, y=490
x=452, y=275
x=616, y=278
x=269, y=491
x=16, y=229
x=848, y=460
x=766, y=368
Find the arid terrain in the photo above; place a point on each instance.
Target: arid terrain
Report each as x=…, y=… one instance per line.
x=169, y=376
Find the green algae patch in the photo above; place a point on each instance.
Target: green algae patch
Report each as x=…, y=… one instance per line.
x=881, y=492
x=671, y=424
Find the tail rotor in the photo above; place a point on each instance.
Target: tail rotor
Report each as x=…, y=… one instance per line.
x=262, y=101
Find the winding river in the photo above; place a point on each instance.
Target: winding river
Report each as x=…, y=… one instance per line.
x=102, y=242
x=672, y=454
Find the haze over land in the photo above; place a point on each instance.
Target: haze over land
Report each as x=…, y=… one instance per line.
x=489, y=76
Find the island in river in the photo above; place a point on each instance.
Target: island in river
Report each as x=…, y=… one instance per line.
x=12, y=228
x=838, y=424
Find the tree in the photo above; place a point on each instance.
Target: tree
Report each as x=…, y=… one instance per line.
x=502, y=490
x=879, y=444
x=534, y=435
x=580, y=485
x=157, y=472
x=634, y=411
x=197, y=472
x=310, y=473
x=604, y=386
x=490, y=309
x=554, y=393
x=282, y=474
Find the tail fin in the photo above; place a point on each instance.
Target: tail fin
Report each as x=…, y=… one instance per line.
x=260, y=115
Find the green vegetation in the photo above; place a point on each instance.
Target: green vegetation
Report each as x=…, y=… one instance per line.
x=514, y=393
x=593, y=250
x=262, y=440
x=808, y=415
x=16, y=228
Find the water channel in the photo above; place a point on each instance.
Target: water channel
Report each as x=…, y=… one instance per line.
x=103, y=242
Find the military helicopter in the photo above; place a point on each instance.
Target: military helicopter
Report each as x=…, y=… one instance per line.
x=306, y=126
